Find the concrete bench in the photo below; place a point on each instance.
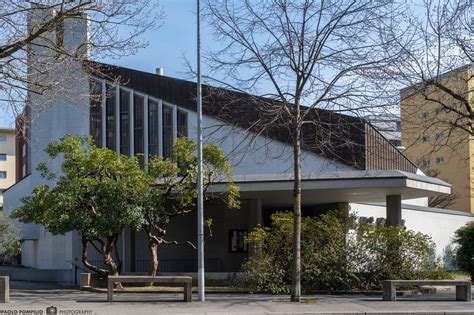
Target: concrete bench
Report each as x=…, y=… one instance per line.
x=185, y=282
x=463, y=288
x=4, y=289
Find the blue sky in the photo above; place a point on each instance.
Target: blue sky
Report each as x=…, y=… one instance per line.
x=167, y=47
x=169, y=43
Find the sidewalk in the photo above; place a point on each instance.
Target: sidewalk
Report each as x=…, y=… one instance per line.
x=71, y=301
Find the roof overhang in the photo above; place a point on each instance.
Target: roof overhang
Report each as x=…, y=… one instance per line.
x=352, y=186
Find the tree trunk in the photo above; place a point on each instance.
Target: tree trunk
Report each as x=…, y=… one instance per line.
x=108, y=258
x=85, y=260
x=153, y=246
x=296, y=264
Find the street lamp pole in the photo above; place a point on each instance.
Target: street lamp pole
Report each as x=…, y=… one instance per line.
x=200, y=204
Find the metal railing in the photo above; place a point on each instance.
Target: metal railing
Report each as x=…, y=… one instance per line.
x=76, y=267
x=181, y=265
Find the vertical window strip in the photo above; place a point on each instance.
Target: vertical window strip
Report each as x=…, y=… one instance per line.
x=182, y=119
x=96, y=112
x=167, y=131
x=138, y=127
x=103, y=120
x=153, y=127
x=110, y=118
x=124, y=122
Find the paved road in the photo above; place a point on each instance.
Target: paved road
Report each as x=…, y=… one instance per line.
x=28, y=297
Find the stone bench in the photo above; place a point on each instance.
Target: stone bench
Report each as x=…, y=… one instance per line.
x=463, y=288
x=185, y=282
x=4, y=289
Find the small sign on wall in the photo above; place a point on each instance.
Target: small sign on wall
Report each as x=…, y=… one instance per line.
x=237, y=243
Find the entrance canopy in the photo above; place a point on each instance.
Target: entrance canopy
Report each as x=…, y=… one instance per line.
x=330, y=187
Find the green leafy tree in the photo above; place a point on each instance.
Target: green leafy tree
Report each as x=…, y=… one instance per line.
x=465, y=252
x=9, y=238
x=177, y=193
x=97, y=194
x=381, y=253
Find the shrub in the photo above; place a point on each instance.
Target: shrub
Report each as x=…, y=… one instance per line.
x=380, y=253
x=464, y=238
x=325, y=253
x=9, y=239
x=336, y=255
x=268, y=269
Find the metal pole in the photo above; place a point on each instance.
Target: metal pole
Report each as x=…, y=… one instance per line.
x=123, y=250
x=200, y=205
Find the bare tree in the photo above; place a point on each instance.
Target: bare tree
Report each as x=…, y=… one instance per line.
x=39, y=39
x=301, y=56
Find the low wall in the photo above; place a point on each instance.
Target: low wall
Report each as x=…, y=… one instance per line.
x=439, y=224
x=38, y=275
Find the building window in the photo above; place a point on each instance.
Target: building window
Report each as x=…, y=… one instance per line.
x=3, y=139
x=138, y=127
x=237, y=242
x=182, y=123
x=439, y=135
x=3, y=157
x=440, y=160
x=426, y=163
x=153, y=125
x=96, y=112
x=167, y=131
x=3, y=174
x=110, y=117
x=124, y=122
x=425, y=115
x=425, y=139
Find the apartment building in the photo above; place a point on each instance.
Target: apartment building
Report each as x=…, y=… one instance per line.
x=435, y=131
x=7, y=160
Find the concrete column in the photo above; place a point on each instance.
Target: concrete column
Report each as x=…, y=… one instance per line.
x=175, y=123
x=104, y=115
x=145, y=129
x=131, y=116
x=85, y=280
x=160, y=128
x=255, y=217
x=117, y=119
x=394, y=210
x=4, y=289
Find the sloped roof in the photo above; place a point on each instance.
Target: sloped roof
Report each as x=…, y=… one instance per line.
x=334, y=136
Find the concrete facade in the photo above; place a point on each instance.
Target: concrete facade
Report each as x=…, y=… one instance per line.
x=7, y=160
x=439, y=224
